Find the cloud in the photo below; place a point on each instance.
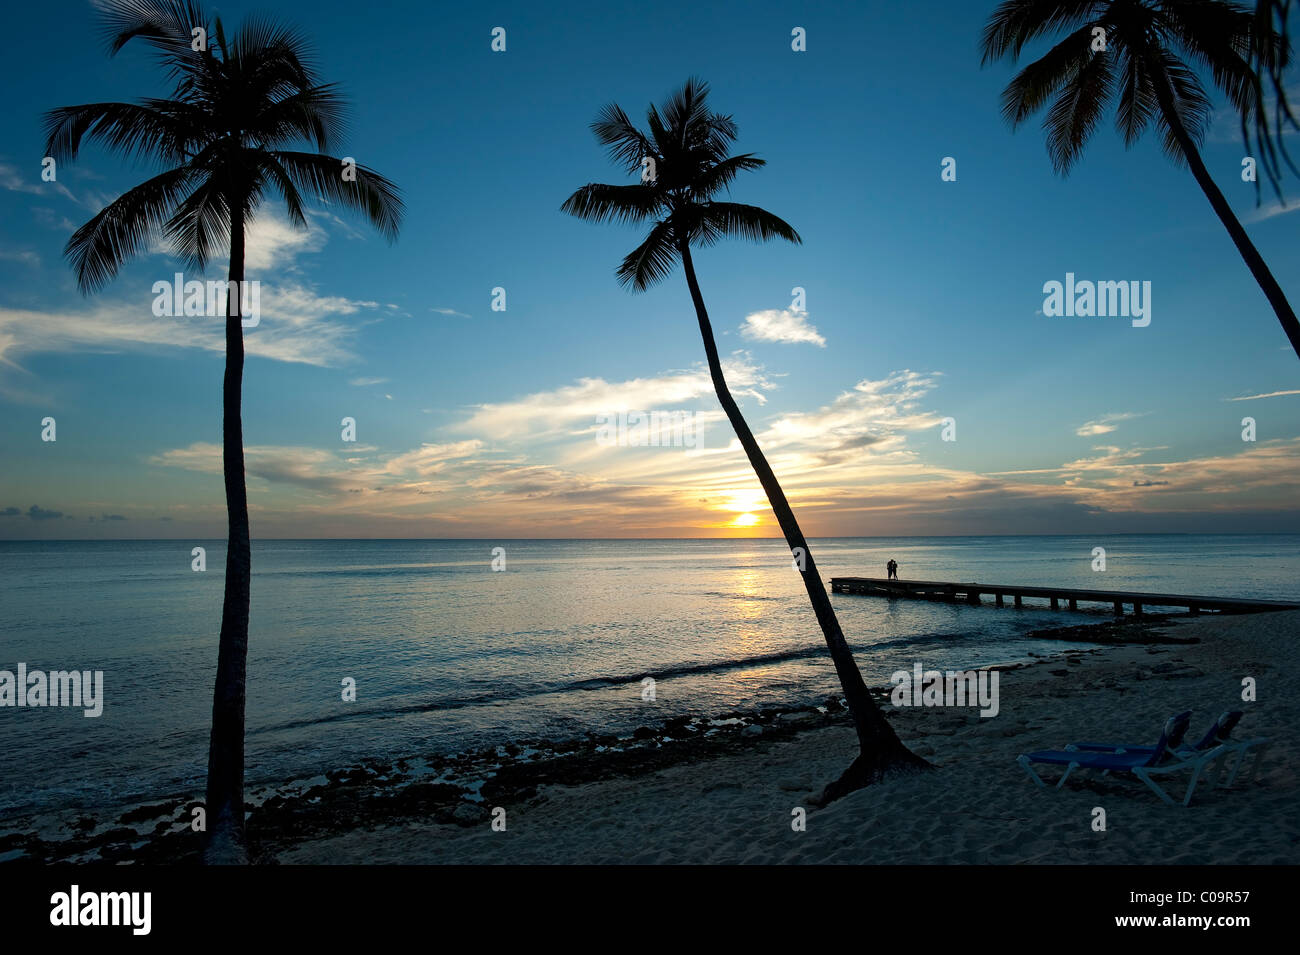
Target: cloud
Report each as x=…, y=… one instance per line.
x=273, y=242
x=313, y=468
x=450, y=311
x=112, y=517
x=366, y=382
x=41, y=514
x=12, y=180
x=578, y=404
x=781, y=325
x=297, y=325
x=872, y=414
x=1270, y=394
x=1270, y=210
x=25, y=256
x=1103, y=425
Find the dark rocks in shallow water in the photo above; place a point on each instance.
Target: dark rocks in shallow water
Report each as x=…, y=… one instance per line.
x=834, y=704
x=643, y=732
x=141, y=813
x=679, y=727
x=469, y=814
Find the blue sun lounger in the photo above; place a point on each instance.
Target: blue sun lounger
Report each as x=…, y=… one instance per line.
x=1219, y=734
x=1146, y=766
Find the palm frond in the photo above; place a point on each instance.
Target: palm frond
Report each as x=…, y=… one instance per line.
x=165, y=25
x=1191, y=105
x=200, y=226
x=157, y=128
x=370, y=194
x=720, y=220
x=720, y=176
x=651, y=261
x=123, y=227
x=1015, y=23
x=627, y=144
x=598, y=202
x=1078, y=109
x=1042, y=79
x=315, y=113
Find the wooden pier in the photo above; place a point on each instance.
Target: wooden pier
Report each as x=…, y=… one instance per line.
x=1056, y=596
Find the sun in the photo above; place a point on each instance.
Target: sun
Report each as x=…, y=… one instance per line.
x=744, y=520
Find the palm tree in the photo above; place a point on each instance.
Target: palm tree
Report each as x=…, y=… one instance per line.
x=236, y=102
x=1142, y=65
x=687, y=146
x=1270, y=56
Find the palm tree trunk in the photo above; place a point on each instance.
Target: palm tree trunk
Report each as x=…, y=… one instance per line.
x=880, y=747
x=224, y=842
x=1254, y=261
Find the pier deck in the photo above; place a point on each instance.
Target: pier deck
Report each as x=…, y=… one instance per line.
x=973, y=593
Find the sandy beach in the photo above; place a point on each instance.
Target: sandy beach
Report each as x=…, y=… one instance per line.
x=977, y=807
x=727, y=788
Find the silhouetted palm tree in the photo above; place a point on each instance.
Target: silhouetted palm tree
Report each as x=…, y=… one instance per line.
x=1270, y=56
x=1141, y=63
x=236, y=102
x=687, y=148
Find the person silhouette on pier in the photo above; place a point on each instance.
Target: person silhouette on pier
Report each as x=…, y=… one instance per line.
x=892, y=569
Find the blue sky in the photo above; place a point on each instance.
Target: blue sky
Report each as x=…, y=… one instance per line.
x=927, y=297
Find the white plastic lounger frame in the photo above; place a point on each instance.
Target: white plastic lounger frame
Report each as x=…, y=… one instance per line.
x=1259, y=745
x=1196, y=764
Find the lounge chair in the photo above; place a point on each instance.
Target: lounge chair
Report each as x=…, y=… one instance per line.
x=1219, y=734
x=1157, y=761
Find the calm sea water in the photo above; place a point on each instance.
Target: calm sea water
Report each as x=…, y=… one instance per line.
x=448, y=654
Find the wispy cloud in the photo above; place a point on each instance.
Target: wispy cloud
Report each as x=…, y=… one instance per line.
x=450, y=311
x=1267, y=394
x=1105, y=424
x=781, y=325
x=25, y=256
x=578, y=404
x=297, y=325
x=14, y=181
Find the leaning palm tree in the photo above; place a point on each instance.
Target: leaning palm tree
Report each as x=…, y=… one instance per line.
x=1148, y=44
x=687, y=147
x=237, y=102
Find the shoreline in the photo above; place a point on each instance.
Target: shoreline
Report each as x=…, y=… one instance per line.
x=295, y=821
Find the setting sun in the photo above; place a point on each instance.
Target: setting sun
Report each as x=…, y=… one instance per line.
x=744, y=520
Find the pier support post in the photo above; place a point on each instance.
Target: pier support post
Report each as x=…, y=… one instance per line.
x=1119, y=608
x=1137, y=610
x=998, y=598
x=1019, y=601
x=1056, y=604
x=1074, y=604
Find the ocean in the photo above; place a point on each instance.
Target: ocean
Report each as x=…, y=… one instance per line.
x=448, y=654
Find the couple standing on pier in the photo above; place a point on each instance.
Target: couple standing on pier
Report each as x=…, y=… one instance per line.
x=892, y=569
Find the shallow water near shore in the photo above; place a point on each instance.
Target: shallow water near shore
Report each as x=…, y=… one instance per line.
x=449, y=655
